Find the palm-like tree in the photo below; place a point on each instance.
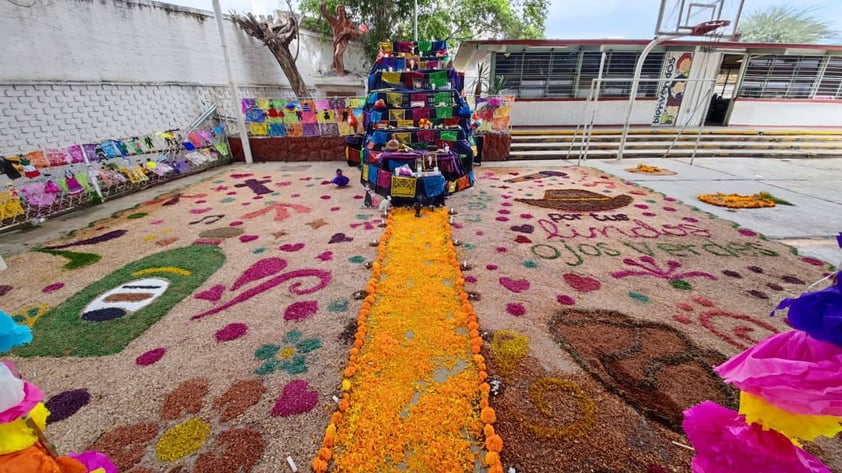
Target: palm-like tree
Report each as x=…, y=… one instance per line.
x=786, y=24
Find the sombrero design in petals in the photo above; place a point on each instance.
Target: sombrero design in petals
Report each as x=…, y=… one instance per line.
x=578, y=200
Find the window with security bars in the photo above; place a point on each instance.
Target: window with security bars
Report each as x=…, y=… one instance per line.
x=830, y=86
x=620, y=65
x=560, y=74
x=781, y=77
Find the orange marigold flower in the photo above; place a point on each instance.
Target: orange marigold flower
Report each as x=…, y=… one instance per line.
x=330, y=436
x=479, y=359
x=498, y=468
x=473, y=326
x=326, y=453
x=475, y=349
x=483, y=403
x=483, y=376
x=494, y=443
x=485, y=388
x=488, y=415
x=350, y=371
x=319, y=465
x=492, y=458
x=335, y=418
x=488, y=430
x=343, y=405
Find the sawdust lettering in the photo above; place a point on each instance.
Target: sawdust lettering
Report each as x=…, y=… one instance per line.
x=575, y=254
x=640, y=230
x=595, y=216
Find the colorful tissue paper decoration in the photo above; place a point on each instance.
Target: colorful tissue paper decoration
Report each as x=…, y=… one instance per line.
x=23, y=418
x=724, y=442
x=791, y=391
x=818, y=313
x=12, y=334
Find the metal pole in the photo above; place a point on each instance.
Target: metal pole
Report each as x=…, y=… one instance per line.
x=415, y=18
x=638, y=69
x=235, y=94
x=596, y=87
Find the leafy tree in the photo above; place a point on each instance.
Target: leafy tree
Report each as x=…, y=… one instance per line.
x=786, y=24
x=453, y=20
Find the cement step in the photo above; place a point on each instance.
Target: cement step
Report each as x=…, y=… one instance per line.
x=684, y=137
x=662, y=152
x=518, y=146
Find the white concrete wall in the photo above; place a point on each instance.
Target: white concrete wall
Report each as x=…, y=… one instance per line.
x=575, y=112
x=796, y=113
x=74, y=70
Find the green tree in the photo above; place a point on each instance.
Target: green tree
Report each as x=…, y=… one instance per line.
x=453, y=20
x=786, y=24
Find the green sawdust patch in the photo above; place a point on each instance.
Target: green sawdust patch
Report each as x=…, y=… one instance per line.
x=77, y=259
x=62, y=332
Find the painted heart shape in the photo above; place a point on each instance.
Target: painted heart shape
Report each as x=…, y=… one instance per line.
x=522, y=239
x=514, y=285
x=289, y=247
x=4, y=289
x=201, y=211
x=241, y=176
x=296, y=398
x=582, y=283
x=247, y=238
x=340, y=238
x=525, y=228
x=326, y=256
x=213, y=294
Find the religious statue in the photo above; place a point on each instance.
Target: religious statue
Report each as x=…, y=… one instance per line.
x=343, y=31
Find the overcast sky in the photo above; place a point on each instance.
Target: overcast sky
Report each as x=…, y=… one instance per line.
x=581, y=19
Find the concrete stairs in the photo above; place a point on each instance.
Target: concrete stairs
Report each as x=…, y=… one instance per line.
x=530, y=144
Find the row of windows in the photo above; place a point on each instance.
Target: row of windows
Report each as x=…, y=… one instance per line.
x=560, y=74
x=792, y=77
x=555, y=74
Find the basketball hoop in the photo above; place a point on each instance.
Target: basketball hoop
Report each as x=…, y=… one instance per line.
x=706, y=27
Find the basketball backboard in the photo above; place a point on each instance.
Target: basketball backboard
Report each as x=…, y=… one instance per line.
x=680, y=17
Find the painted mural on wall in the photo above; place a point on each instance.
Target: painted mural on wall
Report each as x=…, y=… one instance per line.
x=670, y=94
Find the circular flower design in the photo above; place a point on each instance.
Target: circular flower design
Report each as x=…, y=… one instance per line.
x=291, y=357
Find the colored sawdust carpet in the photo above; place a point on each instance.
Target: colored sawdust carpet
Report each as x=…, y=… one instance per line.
x=211, y=331
x=413, y=399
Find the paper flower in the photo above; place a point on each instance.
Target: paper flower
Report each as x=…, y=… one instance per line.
x=12, y=334
x=796, y=427
x=15, y=435
x=16, y=404
x=818, y=313
x=725, y=443
x=791, y=371
x=95, y=462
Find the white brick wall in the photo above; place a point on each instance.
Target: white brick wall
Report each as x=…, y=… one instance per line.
x=86, y=70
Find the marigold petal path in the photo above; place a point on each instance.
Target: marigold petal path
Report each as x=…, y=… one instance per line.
x=414, y=392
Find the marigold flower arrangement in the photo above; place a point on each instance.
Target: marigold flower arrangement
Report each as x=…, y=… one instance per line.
x=414, y=393
x=647, y=169
x=738, y=201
